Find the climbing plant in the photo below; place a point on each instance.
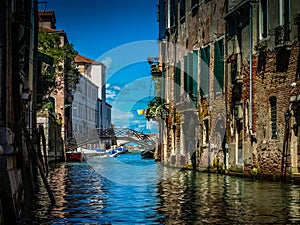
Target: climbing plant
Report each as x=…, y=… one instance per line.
x=154, y=108
x=63, y=71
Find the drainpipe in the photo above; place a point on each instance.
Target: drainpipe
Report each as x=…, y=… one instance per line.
x=250, y=62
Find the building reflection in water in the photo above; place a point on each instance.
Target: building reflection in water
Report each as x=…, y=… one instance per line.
x=168, y=196
x=73, y=196
x=199, y=198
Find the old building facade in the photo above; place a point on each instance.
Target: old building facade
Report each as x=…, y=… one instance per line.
x=229, y=85
x=191, y=59
x=62, y=96
x=18, y=35
x=263, y=63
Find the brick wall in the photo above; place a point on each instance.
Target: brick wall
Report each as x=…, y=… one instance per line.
x=270, y=83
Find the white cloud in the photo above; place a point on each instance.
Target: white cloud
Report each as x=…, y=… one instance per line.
x=142, y=126
x=136, y=121
x=152, y=126
x=116, y=88
x=107, y=62
x=112, y=91
x=121, y=118
x=110, y=94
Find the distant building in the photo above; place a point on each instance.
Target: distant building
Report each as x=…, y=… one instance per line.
x=90, y=111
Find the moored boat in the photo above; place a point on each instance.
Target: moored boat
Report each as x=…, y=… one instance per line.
x=122, y=150
x=118, y=150
x=147, y=154
x=74, y=156
x=95, y=151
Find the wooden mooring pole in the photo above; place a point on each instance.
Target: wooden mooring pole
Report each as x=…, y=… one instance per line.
x=32, y=150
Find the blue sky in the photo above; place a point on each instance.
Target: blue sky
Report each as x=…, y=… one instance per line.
x=122, y=34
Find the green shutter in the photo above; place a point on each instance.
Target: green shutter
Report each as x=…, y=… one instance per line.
x=177, y=81
x=195, y=76
x=185, y=85
x=219, y=66
x=204, y=70
x=190, y=74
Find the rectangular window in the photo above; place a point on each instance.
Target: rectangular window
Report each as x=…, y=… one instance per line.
x=287, y=20
x=195, y=77
x=177, y=82
x=273, y=117
x=280, y=12
x=205, y=70
x=169, y=15
x=186, y=74
x=162, y=19
x=205, y=131
x=282, y=59
x=190, y=74
x=182, y=10
x=219, y=66
x=262, y=57
x=172, y=13
x=194, y=3
x=263, y=18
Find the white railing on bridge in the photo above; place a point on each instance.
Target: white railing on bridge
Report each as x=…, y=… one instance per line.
x=121, y=134
x=128, y=134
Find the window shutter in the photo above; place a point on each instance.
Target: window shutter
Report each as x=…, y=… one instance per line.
x=195, y=72
x=185, y=85
x=219, y=66
x=177, y=81
x=204, y=70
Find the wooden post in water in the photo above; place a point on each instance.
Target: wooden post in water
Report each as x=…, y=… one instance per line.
x=42, y=134
x=39, y=165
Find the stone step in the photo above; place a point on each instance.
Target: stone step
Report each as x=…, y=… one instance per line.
x=296, y=178
x=296, y=175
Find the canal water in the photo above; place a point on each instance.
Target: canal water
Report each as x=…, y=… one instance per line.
x=131, y=190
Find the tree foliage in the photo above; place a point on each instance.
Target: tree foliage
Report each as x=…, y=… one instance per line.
x=63, y=70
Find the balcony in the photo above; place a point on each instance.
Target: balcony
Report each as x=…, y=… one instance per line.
x=156, y=73
x=282, y=36
x=155, y=67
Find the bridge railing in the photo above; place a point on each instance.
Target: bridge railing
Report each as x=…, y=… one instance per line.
x=128, y=134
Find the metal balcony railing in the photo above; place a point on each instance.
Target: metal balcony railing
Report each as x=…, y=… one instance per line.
x=282, y=35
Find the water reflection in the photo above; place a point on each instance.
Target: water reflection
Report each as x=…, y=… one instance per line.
x=164, y=196
x=198, y=198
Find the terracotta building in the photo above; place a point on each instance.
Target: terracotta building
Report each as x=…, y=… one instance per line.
x=62, y=97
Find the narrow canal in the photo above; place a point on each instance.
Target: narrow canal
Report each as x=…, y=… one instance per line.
x=131, y=190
